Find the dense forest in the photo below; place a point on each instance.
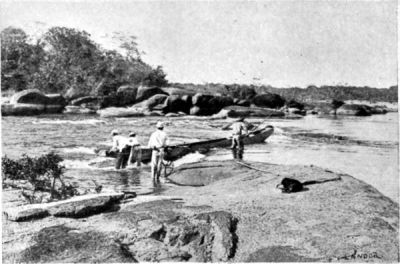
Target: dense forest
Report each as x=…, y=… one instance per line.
x=68, y=61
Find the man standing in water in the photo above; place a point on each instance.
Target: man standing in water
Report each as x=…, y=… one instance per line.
x=136, y=151
x=239, y=129
x=157, y=142
x=120, y=145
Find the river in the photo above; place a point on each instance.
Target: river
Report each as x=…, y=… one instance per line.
x=364, y=147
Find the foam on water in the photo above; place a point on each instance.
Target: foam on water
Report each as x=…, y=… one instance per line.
x=72, y=122
x=189, y=158
x=106, y=164
x=79, y=150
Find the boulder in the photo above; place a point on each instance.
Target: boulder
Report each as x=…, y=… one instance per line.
x=77, y=206
x=145, y=92
x=120, y=112
x=172, y=115
x=73, y=93
x=178, y=91
x=56, y=99
x=296, y=111
x=84, y=100
x=54, y=109
x=224, y=113
x=84, y=207
x=108, y=101
x=242, y=111
x=294, y=104
x=22, y=109
x=30, y=96
x=195, y=110
x=26, y=213
x=201, y=100
x=269, y=100
x=187, y=99
x=174, y=103
x=72, y=109
x=378, y=110
x=220, y=102
x=153, y=113
x=126, y=95
x=155, y=100
x=243, y=102
x=354, y=109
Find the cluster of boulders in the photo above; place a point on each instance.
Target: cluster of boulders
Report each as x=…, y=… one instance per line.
x=33, y=102
x=131, y=101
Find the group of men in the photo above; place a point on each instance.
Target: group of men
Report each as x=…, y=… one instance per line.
x=128, y=149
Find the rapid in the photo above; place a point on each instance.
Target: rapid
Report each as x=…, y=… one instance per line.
x=364, y=147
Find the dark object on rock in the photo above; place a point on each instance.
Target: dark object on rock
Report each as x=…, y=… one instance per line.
x=269, y=100
x=289, y=185
x=145, y=92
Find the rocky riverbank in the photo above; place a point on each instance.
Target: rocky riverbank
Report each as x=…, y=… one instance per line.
x=132, y=101
x=234, y=214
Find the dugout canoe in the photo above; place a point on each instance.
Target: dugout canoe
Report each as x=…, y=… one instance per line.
x=174, y=152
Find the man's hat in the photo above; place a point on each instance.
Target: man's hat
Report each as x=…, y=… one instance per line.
x=114, y=132
x=160, y=124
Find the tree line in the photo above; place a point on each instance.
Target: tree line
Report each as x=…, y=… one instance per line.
x=308, y=94
x=65, y=60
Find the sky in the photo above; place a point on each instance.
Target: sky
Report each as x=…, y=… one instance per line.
x=280, y=43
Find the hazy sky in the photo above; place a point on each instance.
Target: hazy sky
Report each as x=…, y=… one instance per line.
x=281, y=43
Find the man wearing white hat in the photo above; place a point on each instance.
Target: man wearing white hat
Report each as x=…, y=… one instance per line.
x=136, y=151
x=120, y=145
x=157, y=142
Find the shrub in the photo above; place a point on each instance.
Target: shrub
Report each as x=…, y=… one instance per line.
x=42, y=172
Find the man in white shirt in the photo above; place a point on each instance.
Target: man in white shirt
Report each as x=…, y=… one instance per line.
x=136, y=151
x=157, y=142
x=120, y=145
x=239, y=129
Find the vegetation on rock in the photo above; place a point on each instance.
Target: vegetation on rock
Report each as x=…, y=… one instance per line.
x=41, y=172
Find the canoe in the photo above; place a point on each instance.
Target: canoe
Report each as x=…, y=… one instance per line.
x=258, y=135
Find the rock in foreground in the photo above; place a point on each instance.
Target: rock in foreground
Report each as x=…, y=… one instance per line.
x=336, y=218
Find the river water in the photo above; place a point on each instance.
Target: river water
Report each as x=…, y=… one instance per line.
x=364, y=147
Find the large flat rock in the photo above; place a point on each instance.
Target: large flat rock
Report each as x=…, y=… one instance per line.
x=78, y=206
x=330, y=220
